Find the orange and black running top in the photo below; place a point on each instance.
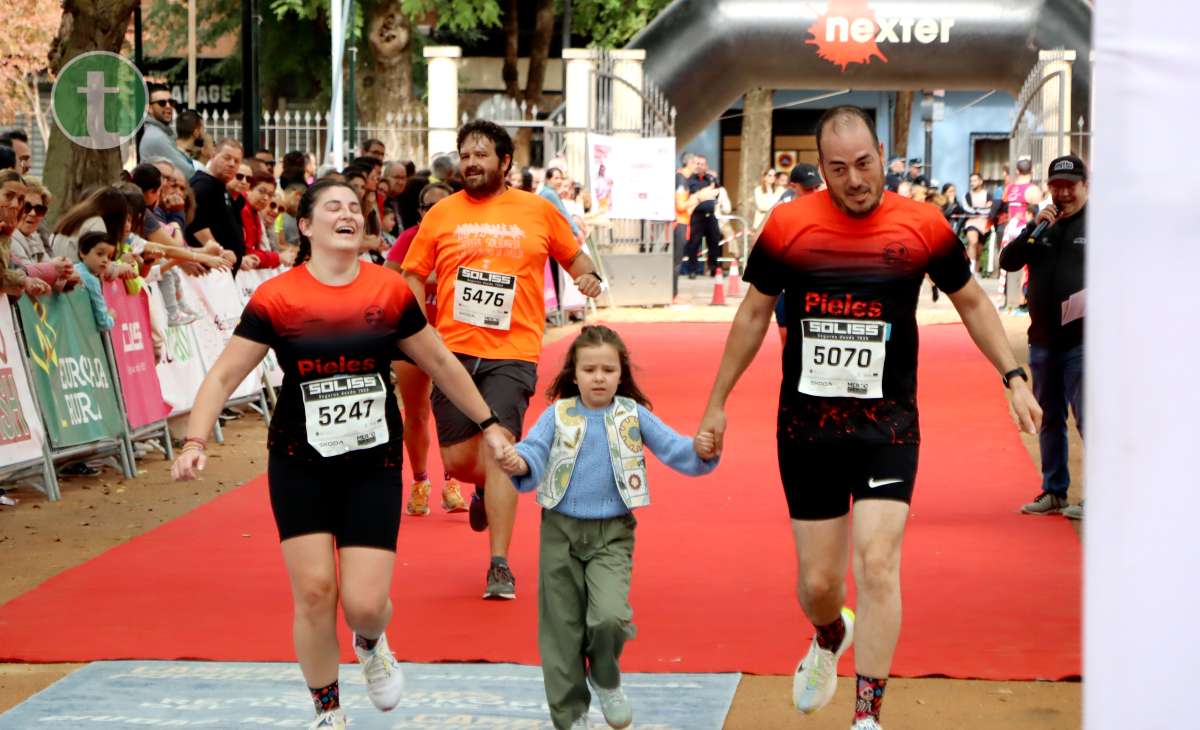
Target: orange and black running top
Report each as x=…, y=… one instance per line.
x=850, y=362
x=335, y=345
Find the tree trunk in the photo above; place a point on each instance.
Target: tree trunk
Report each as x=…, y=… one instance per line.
x=87, y=25
x=756, y=148
x=385, y=85
x=900, y=122
x=512, y=77
x=33, y=96
x=539, y=53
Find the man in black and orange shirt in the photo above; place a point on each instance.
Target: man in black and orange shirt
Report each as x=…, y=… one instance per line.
x=851, y=260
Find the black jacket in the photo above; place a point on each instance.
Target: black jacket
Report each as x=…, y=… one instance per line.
x=1055, y=264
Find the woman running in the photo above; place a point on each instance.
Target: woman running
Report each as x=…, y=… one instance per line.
x=336, y=439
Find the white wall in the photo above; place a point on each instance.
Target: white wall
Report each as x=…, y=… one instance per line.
x=1142, y=634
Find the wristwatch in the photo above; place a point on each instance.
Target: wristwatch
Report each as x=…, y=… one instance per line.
x=1014, y=373
x=489, y=421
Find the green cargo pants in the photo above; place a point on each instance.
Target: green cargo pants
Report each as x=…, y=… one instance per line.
x=584, y=617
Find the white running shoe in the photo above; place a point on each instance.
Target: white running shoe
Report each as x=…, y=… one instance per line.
x=867, y=723
x=815, y=680
x=618, y=713
x=385, y=680
x=332, y=720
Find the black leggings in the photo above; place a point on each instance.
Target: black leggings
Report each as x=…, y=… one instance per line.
x=355, y=497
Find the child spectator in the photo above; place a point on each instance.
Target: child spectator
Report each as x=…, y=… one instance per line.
x=95, y=254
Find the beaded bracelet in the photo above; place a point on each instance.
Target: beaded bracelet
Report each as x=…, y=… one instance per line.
x=201, y=443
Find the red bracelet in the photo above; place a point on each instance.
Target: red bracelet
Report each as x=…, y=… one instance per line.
x=201, y=442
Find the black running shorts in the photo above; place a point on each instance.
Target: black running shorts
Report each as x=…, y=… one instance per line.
x=820, y=479
x=506, y=385
x=354, y=497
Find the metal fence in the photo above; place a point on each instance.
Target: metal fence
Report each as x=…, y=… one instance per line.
x=620, y=108
x=1042, y=128
x=404, y=134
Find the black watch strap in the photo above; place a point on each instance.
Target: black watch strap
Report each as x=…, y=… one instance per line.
x=1014, y=373
x=489, y=421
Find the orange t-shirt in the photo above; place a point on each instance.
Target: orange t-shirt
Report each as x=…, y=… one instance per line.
x=475, y=247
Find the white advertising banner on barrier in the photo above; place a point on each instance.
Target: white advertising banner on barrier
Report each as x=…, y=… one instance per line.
x=221, y=301
x=181, y=371
x=21, y=432
x=632, y=178
x=247, y=283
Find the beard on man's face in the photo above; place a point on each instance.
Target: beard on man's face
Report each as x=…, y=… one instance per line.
x=481, y=182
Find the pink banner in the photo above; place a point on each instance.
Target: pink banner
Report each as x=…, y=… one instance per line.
x=134, y=350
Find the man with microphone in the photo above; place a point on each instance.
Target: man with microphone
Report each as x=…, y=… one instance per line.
x=1053, y=246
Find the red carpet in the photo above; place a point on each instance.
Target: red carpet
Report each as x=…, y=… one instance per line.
x=988, y=593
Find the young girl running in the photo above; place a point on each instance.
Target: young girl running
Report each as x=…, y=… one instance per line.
x=586, y=459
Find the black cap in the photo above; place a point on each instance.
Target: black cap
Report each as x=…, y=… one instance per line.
x=806, y=176
x=1067, y=167
x=916, y=162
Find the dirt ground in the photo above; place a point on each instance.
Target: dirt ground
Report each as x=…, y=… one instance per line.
x=100, y=512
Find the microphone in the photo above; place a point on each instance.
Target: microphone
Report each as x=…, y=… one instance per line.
x=1038, y=231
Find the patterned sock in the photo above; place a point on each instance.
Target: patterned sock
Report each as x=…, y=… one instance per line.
x=869, y=698
x=421, y=476
x=829, y=636
x=325, y=698
x=364, y=643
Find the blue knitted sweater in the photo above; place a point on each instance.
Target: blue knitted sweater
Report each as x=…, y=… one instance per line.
x=592, y=493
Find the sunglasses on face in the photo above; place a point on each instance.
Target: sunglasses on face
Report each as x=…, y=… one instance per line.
x=268, y=162
x=241, y=177
x=274, y=206
x=164, y=102
x=36, y=209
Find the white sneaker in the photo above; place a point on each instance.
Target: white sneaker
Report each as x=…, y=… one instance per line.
x=815, y=680
x=385, y=680
x=332, y=720
x=618, y=713
x=866, y=723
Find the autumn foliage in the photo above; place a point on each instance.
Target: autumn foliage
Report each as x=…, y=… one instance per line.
x=30, y=27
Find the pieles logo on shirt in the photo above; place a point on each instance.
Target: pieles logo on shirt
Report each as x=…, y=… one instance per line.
x=844, y=305
x=343, y=364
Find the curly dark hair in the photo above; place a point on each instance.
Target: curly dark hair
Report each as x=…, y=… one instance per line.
x=564, y=385
x=489, y=130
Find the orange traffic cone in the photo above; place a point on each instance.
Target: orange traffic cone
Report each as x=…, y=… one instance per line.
x=718, y=297
x=735, y=280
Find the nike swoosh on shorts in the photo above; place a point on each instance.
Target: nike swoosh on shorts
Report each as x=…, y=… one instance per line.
x=874, y=483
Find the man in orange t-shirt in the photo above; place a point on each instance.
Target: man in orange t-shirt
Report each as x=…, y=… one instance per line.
x=488, y=246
